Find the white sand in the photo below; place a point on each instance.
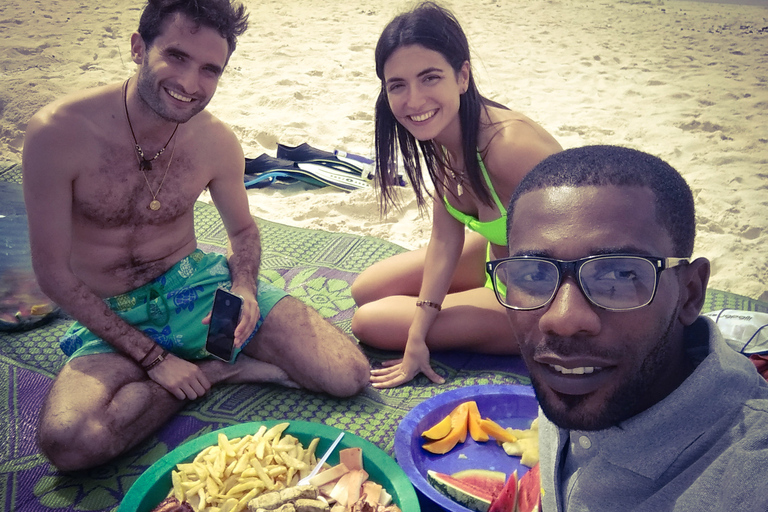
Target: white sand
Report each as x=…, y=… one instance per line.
x=686, y=81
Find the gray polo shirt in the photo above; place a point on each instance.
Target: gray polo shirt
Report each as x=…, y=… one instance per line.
x=703, y=448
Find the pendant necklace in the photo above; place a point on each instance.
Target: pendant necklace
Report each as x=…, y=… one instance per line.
x=155, y=205
x=145, y=164
x=455, y=175
x=459, y=177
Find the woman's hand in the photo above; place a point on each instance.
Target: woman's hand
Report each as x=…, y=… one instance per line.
x=399, y=371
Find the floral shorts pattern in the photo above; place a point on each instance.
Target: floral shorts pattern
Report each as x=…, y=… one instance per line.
x=170, y=309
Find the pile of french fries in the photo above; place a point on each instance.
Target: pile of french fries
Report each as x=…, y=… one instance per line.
x=224, y=477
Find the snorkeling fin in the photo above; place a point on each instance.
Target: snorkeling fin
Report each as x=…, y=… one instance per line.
x=266, y=170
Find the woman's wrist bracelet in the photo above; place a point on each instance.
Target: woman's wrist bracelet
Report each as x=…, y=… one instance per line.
x=429, y=303
x=159, y=359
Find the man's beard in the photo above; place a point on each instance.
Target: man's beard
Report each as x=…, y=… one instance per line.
x=149, y=93
x=628, y=400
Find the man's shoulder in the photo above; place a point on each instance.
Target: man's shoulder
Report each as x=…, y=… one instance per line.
x=213, y=139
x=71, y=112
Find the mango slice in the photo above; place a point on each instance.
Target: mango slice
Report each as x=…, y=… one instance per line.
x=439, y=430
x=473, y=423
x=458, y=433
x=496, y=431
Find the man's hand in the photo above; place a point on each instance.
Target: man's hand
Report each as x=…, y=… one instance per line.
x=182, y=379
x=249, y=316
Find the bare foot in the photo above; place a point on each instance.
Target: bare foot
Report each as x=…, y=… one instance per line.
x=246, y=370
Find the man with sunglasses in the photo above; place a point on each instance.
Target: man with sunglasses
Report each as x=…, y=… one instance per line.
x=644, y=406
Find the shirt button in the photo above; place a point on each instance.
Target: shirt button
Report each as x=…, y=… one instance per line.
x=585, y=443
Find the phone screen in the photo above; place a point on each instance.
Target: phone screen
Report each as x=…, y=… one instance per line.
x=225, y=316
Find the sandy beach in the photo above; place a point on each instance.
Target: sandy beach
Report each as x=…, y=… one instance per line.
x=686, y=81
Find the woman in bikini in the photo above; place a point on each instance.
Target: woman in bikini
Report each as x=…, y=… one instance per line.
x=476, y=152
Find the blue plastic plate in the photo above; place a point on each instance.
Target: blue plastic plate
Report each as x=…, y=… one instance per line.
x=155, y=483
x=507, y=405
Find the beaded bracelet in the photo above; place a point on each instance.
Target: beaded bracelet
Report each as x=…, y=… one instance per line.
x=159, y=359
x=429, y=303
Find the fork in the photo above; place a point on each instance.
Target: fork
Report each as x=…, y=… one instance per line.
x=306, y=479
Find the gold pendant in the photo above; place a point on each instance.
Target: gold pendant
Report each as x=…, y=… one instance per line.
x=154, y=205
x=459, y=188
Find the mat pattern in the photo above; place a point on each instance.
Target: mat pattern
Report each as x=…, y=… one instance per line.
x=315, y=266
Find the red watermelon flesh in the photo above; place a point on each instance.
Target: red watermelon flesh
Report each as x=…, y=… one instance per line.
x=472, y=497
x=529, y=491
x=507, y=499
x=491, y=482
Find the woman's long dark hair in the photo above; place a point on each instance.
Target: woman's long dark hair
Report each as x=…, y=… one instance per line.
x=435, y=28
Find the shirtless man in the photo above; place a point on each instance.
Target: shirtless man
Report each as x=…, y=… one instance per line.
x=111, y=175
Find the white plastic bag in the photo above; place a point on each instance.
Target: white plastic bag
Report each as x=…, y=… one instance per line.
x=745, y=331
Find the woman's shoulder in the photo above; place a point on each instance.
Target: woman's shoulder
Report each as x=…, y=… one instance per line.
x=512, y=141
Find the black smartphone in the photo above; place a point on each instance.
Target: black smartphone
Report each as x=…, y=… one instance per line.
x=225, y=316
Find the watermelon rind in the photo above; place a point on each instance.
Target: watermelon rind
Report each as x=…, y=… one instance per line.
x=461, y=492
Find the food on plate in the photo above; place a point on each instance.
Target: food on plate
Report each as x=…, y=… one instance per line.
x=276, y=500
x=457, y=434
x=486, y=491
x=473, y=423
x=347, y=485
x=492, y=481
x=232, y=472
x=439, y=430
x=464, y=418
x=496, y=431
x=506, y=500
x=260, y=473
x=171, y=504
x=473, y=496
x=529, y=491
x=527, y=445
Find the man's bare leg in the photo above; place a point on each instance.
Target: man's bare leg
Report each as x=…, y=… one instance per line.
x=102, y=405
x=314, y=353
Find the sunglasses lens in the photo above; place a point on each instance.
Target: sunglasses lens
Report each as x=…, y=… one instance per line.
x=621, y=282
x=526, y=284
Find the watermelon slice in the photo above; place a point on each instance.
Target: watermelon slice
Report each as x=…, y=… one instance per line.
x=529, y=492
x=471, y=496
x=506, y=500
x=492, y=482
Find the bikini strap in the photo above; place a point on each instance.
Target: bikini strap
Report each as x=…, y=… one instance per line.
x=502, y=209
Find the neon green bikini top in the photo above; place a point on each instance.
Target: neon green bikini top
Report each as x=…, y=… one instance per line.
x=495, y=230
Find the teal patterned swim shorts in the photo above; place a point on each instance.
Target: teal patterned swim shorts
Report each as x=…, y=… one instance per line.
x=170, y=309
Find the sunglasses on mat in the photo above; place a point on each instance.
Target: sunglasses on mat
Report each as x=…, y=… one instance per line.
x=616, y=282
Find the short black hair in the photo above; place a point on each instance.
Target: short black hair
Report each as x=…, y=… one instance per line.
x=228, y=18
x=623, y=167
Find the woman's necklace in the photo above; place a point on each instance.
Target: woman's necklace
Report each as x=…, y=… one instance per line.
x=459, y=177
x=145, y=164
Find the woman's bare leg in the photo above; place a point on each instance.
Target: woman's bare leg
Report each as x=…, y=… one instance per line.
x=401, y=274
x=471, y=320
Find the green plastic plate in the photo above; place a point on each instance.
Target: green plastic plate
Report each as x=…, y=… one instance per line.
x=155, y=483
